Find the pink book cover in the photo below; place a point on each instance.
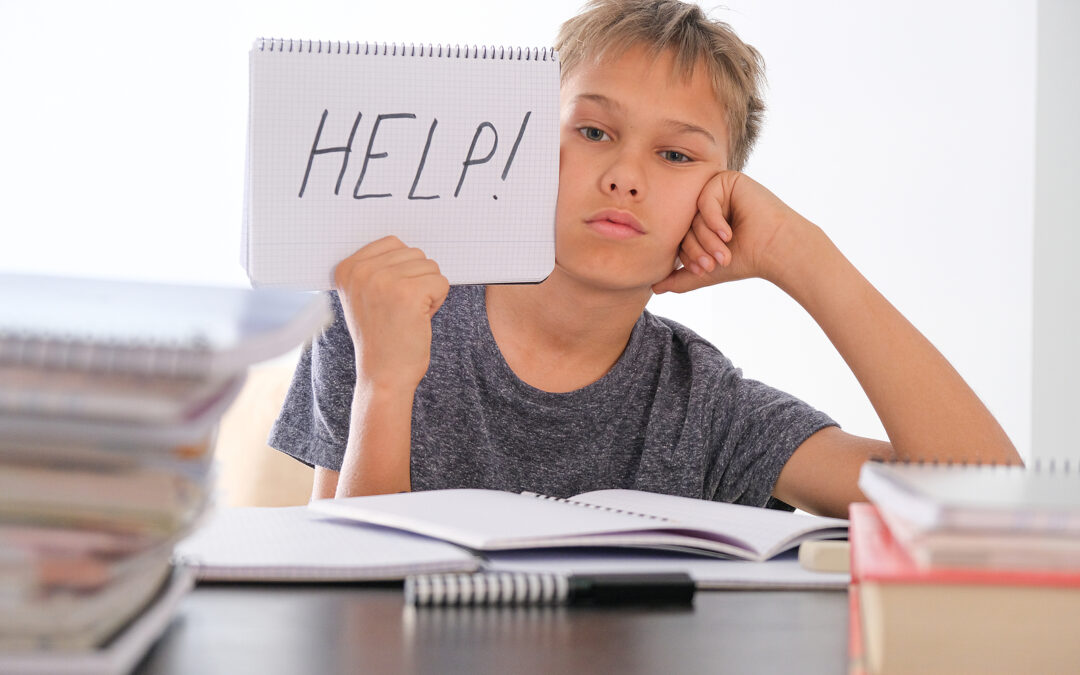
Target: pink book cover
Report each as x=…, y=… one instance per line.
x=877, y=556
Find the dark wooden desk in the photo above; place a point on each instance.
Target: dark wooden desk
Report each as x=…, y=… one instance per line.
x=338, y=629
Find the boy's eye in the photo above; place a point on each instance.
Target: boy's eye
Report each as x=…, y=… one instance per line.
x=594, y=134
x=675, y=156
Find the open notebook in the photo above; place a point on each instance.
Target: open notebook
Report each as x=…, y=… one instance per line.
x=490, y=520
x=295, y=544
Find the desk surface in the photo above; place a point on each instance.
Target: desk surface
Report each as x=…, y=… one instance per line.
x=337, y=629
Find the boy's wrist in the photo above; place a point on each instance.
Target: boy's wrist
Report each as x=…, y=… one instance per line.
x=800, y=252
x=384, y=389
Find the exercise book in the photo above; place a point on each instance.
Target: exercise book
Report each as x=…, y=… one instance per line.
x=492, y=520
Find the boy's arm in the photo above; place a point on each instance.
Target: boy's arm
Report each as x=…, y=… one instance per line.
x=389, y=293
x=927, y=409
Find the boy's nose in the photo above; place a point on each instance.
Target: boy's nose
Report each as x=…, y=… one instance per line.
x=624, y=177
x=632, y=191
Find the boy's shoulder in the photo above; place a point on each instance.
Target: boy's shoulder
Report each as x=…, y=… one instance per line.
x=681, y=338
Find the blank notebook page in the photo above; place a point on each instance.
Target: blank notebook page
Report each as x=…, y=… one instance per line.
x=294, y=544
x=452, y=149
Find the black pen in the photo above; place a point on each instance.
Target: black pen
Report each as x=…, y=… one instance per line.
x=526, y=588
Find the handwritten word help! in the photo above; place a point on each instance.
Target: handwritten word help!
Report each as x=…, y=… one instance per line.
x=485, y=140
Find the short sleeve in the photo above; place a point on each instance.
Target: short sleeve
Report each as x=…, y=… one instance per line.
x=759, y=428
x=313, y=425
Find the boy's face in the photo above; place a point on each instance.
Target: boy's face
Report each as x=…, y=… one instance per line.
x=637, y=144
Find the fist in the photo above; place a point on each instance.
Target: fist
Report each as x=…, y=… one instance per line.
x=389, y=292
x=741, y=230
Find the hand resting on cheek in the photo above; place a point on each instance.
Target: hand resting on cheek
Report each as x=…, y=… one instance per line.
x=741, y=230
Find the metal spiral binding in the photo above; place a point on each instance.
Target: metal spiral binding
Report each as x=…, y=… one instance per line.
x=173, y=359
x=496, y=588
x=482, y=52
x=1038, y=465
x=598, y=507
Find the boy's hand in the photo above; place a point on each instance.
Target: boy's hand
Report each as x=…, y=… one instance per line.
x=389, y=292
x=741, y=230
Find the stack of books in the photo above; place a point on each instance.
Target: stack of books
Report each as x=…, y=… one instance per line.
x=110, y=393
x=966, y=569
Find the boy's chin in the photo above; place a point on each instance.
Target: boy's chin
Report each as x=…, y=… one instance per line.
x=616, y=278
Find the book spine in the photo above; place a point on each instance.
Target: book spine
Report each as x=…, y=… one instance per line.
x=426, y=50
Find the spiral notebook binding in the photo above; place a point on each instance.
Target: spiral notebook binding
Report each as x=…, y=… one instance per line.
x=597, y=507
x=1053, y=465
x=490, y=589
x=429, y=50
x=170, y=359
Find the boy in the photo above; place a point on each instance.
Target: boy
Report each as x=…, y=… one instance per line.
x=570, y=385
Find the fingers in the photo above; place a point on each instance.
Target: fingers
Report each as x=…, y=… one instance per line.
x=384, y=256
x=710, y=206
x=433, y=287
x=375, y=248
x=680, y=281
x=712, y=250
x=701, y=250
x=691, y=253
x=705, y=245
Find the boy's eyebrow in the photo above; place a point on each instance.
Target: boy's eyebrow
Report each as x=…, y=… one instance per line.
x=687, y=128
x=615, y=106
x=602, y=101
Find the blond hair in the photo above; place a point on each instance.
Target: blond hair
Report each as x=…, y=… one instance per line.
x=737, y=71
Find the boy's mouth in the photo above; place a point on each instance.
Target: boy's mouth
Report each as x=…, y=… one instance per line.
x=615, y=223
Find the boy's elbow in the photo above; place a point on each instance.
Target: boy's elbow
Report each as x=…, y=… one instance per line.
x=324, y=486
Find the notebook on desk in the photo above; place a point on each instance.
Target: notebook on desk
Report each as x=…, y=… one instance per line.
x=296, y=544
x=491, y=520
x=782, y=572
x=291, y=544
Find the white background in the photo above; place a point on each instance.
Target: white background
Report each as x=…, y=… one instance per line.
x=906, y=130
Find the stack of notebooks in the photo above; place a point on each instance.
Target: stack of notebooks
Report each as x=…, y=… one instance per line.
x=110, y=393
x=959, y=569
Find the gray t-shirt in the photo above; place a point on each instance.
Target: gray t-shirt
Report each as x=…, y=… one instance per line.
x=672, y=415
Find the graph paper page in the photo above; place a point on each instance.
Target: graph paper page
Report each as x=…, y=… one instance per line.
x=453, y=150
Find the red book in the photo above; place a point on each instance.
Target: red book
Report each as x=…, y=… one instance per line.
x=958, y=620
x=856, y=651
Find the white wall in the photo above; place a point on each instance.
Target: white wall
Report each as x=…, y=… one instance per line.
x=906, y=130
x=1055, y=395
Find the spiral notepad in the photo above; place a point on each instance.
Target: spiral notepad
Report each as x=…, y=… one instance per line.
x=538, y=588
x=1042, y=498
x=452, y=149
x=147, y=329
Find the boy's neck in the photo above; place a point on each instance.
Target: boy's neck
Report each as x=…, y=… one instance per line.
x=562, y=335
